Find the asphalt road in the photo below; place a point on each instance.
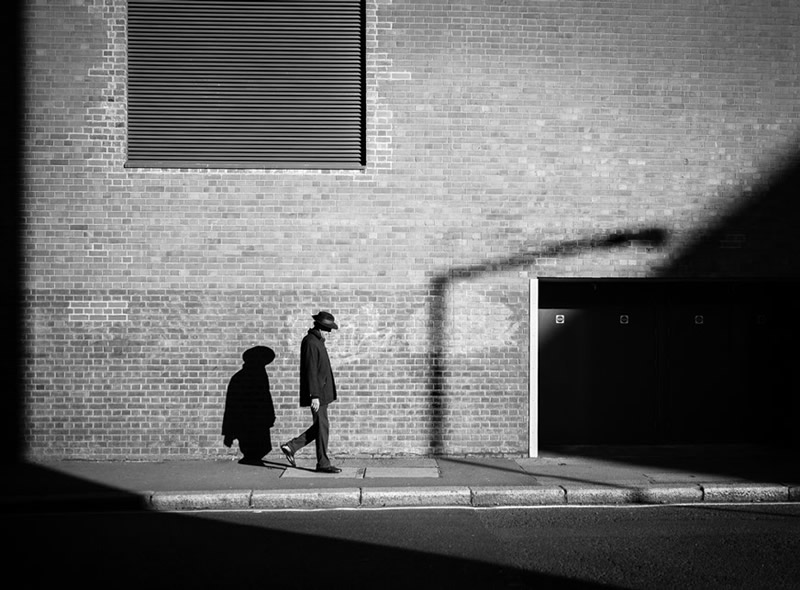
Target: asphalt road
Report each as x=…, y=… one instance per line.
x=724, y=546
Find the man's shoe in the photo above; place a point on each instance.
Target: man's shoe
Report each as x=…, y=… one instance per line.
x=289, y=455
x=328, y=469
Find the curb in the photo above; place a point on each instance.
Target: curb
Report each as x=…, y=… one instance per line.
x=220, y=500
x=657, y=494
x=517, y=496
x=80, y=502
x=396, y=497
x=306, y=499
x=742, y=492
x=470, y=496
x=432, y=496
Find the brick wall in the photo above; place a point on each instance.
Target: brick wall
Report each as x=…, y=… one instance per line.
x=506, y=140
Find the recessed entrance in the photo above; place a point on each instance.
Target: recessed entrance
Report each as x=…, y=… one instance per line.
x=646, y=361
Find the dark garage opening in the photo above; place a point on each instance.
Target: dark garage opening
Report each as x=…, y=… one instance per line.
x=650, y=361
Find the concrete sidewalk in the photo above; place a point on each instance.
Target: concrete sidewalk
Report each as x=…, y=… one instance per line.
x=569, y=476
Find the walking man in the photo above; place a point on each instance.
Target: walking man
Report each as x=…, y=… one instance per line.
x=317, y=391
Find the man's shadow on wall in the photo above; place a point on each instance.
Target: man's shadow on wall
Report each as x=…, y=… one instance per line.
x=249, y=412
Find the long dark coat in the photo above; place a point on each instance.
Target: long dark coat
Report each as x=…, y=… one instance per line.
x=249, y=411
x=316, y=375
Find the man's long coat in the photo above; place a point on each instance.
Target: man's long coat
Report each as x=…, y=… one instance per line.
x=316, y=375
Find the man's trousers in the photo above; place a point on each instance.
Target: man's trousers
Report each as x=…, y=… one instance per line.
x=317, y=433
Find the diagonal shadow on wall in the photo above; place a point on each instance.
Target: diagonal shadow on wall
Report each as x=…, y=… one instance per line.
x=438, y=391
x=755, y=247
x=756, y=239
x=752, y=258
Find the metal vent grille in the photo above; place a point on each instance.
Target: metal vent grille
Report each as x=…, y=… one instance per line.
x=246, y=84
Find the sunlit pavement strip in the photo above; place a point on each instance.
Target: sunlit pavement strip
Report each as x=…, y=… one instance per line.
x=403, y=472
x=378, y=482
x=302, y=473
x=366, y=472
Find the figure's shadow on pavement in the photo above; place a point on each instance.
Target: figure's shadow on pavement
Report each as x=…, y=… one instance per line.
x=278, y=466
x=263, y=463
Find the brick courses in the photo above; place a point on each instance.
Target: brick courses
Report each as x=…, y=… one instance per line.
x=498, y=134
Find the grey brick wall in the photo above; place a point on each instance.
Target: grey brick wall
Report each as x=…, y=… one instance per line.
x=506, y=140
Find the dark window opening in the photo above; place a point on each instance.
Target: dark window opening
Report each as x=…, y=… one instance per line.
x=257, y=84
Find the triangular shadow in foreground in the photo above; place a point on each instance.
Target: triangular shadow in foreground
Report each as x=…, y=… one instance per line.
x=120, y=545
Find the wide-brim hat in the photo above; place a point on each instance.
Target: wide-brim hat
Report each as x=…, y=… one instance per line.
x=261, y=355
x=325, y=320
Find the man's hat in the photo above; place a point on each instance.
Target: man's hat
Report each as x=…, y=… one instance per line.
x=260, y=355
x=325, y=321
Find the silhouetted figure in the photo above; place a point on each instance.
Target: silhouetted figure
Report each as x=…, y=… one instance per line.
x=249, y=413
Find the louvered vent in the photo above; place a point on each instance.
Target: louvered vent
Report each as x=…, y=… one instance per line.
x=218, y=84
